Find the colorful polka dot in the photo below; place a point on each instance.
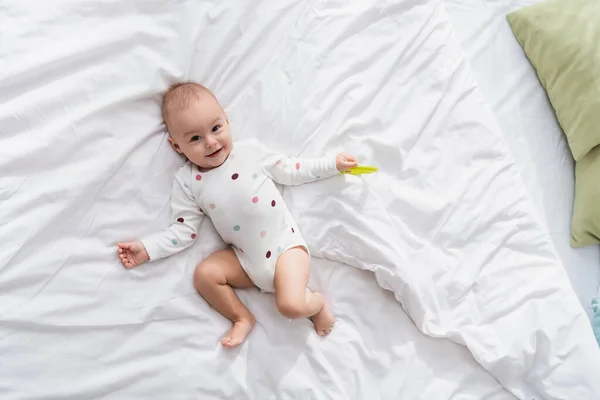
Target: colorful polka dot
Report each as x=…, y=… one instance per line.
x=297, y=165
x=293, y=231
x=273, y=203
x=179, y=219
x=198, y=177
x=255, y=199
x=278, y=249
x=254, y=176
x=193, y=236
x=236, y=228
x=174, y=241
x=212, y=206
x=235, y=176
x=268, y=254
x=263, y=234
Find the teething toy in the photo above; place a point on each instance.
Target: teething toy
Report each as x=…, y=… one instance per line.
x=361, y=169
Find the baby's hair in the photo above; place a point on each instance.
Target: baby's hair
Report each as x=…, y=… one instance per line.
x=180, y=94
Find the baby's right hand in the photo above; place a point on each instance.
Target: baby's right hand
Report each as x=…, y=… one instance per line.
x=132, y=254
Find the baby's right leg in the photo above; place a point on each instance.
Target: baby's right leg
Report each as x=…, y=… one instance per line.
x=215, y=279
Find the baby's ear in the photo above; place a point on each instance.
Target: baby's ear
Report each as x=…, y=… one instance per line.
x=174, y=145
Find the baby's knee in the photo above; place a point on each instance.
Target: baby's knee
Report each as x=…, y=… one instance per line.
x=290, y=309
x=207, y=273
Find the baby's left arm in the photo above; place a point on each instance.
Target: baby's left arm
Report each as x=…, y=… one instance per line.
x=292, y=171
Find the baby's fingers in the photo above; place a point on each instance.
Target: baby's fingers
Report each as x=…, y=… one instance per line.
x=125, y=260
x=127, y=263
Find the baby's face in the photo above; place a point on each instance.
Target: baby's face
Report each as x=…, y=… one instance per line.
x=201, y=132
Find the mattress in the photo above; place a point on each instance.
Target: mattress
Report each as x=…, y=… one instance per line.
x=443, y=281
x=511, y=87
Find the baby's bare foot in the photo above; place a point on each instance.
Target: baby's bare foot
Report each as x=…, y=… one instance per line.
x=237, y=333
x=323, y=321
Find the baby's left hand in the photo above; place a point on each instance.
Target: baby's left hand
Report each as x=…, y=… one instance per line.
x=343, y=161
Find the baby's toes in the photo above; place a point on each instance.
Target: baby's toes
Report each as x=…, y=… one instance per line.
x=324, y=332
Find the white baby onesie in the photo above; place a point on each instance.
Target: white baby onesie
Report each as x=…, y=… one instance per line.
x=244, y=204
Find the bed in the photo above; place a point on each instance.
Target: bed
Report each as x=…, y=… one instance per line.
x=443, y=280
x=518, y=100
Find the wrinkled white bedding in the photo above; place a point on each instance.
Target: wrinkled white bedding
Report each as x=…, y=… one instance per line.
x=511, y=87
x=446, y=224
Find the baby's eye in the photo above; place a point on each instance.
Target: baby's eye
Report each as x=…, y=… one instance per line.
x=194, y=138
x=216, y=128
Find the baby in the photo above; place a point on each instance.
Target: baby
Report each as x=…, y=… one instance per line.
x=234, y=187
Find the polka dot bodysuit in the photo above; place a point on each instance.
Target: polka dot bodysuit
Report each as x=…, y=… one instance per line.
x=245, y=206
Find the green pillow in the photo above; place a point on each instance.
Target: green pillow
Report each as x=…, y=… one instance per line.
x=585, y=224
x=562, y=40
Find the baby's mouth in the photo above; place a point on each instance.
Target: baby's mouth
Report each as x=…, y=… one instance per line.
x=215, y=154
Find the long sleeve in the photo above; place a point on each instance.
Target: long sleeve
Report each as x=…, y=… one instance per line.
x=186, y=218
x=292, y=171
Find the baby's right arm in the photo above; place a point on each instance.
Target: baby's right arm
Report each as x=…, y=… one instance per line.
x=186, y=218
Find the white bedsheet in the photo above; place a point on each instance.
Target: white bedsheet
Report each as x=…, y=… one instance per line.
x=445, y=224
x=511, y=87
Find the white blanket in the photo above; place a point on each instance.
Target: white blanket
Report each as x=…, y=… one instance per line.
x=445, y=224
x=528, y=121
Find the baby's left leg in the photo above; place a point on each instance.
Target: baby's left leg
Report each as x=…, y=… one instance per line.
x=293, y=301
